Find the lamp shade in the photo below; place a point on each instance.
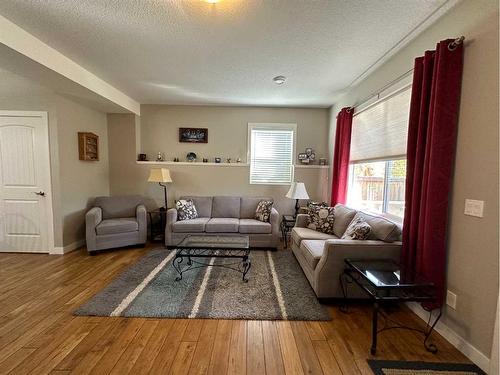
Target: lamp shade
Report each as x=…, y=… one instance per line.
x=297, y=191
x=159, y=175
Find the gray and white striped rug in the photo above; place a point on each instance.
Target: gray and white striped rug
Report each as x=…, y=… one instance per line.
x=277, y=289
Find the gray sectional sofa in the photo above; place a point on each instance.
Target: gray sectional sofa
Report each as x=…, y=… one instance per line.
x=224, y=215
x=321, y=255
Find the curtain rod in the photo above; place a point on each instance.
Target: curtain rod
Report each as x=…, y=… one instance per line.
x=451, y=46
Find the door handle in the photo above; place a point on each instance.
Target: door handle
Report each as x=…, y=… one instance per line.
x=40, y=193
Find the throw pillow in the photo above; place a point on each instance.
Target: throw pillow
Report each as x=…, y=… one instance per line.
x=321, y=219
x=185, y=210
x=263, y=211
x=358, y=229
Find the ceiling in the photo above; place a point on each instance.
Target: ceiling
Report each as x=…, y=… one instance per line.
x=193, y=52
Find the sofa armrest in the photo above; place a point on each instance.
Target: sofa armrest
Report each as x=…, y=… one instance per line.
x=170, y=220
x=331, y=264
x=142, y=221
x=302, y=220
x=274, y=220
x=92, y=219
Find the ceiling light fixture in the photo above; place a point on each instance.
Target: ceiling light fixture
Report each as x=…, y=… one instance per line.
x=212, y=1
x=279, y=80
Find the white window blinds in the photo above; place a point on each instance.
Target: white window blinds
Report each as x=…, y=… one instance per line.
x=271, y=153
x=380, y=131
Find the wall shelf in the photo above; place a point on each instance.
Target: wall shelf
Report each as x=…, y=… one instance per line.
x=197, y=164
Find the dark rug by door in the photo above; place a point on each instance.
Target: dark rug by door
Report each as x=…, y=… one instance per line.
x=422, y=368
x=277, y=289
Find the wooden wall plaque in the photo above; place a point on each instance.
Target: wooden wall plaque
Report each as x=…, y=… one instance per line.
x=88, y=146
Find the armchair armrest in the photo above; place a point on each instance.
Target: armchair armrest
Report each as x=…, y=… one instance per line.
x=92, y=219
x=170, y=219
x=301, y=221
x=142, y=221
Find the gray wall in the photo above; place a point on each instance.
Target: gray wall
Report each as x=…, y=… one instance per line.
x=227, y=134
x=472, y=242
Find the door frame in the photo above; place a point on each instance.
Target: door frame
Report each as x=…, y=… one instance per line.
x=46, y=145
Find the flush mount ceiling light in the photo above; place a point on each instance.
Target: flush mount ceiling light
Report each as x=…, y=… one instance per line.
x=279, y=80
x=212, y=1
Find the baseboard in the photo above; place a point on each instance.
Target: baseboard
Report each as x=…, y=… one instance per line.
x=454, y=339
x=60, y=250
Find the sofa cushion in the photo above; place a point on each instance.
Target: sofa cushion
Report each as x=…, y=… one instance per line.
x=223, y=207
x=299, y=234
x=312, y=251
x=203, y=205
x=191, y=225
x=321, y=219
x=382, y=229
x=358, y=229
x=254, y=226
x=249, y=205
x=263, y=211
x=186, y=210
x=343, y=217
x=114, y=226
x=222, y=225
x=119, y=206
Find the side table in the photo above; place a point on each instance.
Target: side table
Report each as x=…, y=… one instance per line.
x=286, y=225
x=381, y=280
x=157, y=222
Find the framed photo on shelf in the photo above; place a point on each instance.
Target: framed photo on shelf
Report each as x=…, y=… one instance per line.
x=193, y=135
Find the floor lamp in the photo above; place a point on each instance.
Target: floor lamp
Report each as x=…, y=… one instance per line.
x=297, y=191
x=162, y=176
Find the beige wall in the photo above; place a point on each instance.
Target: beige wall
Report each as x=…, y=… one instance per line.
x=473, y=242
x=227, y=135
x=80, y=181
x=74, y=182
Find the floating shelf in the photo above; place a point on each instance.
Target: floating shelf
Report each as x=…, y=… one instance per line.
x=198, y=164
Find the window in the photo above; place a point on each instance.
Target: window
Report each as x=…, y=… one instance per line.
x=377, y=172
x=271, y=149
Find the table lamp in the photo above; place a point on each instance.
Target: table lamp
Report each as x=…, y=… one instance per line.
x=297, y=191
x=162, y=176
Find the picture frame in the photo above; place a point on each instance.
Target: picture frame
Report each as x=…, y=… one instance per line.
x=193, y=135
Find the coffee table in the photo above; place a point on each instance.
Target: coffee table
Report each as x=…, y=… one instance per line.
x=196, y=251
x=381, y=280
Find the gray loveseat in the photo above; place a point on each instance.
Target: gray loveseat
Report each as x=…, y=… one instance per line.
x=321, y=255
x=116, y=222
x=224, y=215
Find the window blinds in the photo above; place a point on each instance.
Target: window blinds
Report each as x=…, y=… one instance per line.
x=380, y=131
x=271, y=157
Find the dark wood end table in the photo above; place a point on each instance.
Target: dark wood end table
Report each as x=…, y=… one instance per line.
x=286, y=225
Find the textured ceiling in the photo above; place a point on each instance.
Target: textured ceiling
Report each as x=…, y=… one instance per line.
x=192, y=52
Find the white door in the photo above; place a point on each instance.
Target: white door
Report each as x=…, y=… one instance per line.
x=25, y=185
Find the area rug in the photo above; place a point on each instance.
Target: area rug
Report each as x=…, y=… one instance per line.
x=276, y=290
x=422, y=368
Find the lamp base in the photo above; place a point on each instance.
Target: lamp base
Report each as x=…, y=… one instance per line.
x=297, y=207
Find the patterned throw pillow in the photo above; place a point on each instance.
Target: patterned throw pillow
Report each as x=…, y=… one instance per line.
x=321, y=219
x=185, y=210
x=358, y=229
x=263, y=211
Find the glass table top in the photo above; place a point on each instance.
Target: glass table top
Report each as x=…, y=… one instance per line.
x=215, y=241
x=384, y=273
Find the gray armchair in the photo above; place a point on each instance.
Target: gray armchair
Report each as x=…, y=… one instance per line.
x=116, y=222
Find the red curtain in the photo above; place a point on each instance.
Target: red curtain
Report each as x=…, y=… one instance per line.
x=432, y=131
x=341, y=156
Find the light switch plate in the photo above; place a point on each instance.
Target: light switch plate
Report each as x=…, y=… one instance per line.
x=474, y=207
x=451, y=299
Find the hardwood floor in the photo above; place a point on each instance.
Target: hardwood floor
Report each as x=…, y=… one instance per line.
x=38, y=334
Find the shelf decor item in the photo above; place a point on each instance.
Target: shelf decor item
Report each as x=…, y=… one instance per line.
x=307, y=157
x=159, y=157
x=297, y=191
x=193, y=135
x=88, y=146
x=143, y=157
x=162, y=176
x=191, y=157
